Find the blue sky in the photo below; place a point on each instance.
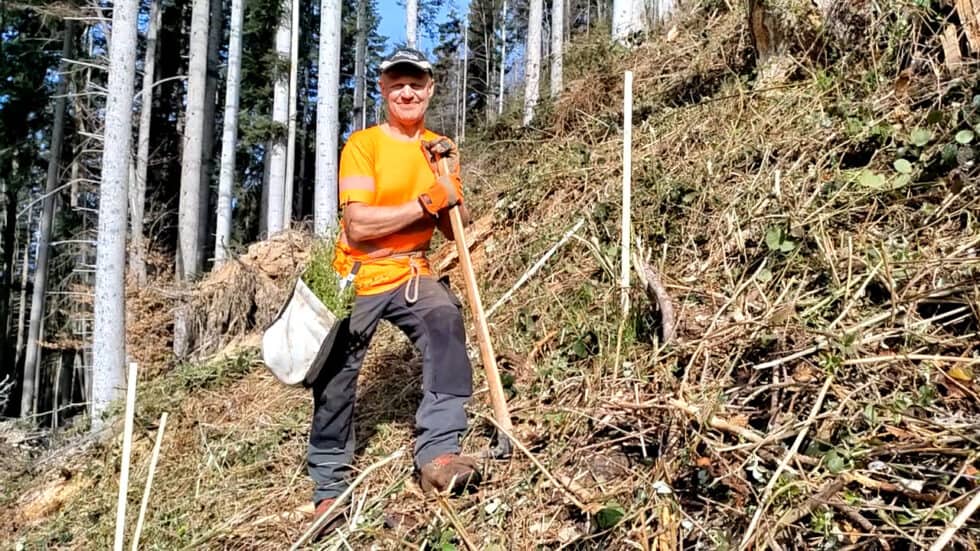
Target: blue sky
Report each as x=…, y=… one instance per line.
x=393, y=21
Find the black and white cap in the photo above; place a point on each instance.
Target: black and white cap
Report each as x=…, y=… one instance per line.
x=407, y=56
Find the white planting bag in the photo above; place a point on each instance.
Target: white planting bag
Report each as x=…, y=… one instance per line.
x=297, y=343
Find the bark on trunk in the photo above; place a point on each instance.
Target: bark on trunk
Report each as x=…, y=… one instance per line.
x=327, y=122
x=109, y=342
x=771, y=30
x=192, y=168
x=557, y=45
x=264, y=196
x=503, y=57
x=189, y=215
x=22, y=303
x=137, y=197
x=207, y=137
x=280, y=117
x=411, y=23
x=628, y=18
x=532, y=61
x=8, y=367
x=33, y=357
x=466, y=66
x=287, y=214
x=360, y=51
x=229, y=138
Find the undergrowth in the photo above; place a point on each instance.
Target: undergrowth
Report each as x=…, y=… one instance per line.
x=819, y=240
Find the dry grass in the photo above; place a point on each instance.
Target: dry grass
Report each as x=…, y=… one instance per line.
x=827, y=330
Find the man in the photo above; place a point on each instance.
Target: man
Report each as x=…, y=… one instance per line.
x=393, y=196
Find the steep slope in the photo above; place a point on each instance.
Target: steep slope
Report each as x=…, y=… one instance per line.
x=819, y=239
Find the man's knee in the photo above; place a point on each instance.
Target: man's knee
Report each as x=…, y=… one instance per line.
x=449, y=369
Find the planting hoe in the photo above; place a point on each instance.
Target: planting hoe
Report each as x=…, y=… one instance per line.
x=500, y=412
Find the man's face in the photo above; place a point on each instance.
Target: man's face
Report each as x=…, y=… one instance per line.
x=407, y=94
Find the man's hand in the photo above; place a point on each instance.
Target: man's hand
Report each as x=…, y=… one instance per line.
x=444, y=193
x=443, y=158
x=441, y=148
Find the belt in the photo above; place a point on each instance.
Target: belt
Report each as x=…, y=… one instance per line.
x=411, y=289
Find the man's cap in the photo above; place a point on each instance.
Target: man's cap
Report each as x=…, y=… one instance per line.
x=407, y=56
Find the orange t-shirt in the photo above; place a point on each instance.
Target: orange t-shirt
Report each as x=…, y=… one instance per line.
x=379, y=169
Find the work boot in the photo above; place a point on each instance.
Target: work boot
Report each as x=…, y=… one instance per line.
x=450, y=472
x=336, y=518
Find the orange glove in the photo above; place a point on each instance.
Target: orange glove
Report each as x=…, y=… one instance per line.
x=442, y=156
x=441, y=148
x=442, y=194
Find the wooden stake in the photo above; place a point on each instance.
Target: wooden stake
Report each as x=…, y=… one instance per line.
x=149, y=481
x=627, y=190
x=957, y=523
x=127, y=450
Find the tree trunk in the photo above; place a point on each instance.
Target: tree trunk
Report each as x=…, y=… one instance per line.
x=207, y=136
x=466, y=66
x=360, y=52
x=192, y=169
x=557, y=45
x=137, y=197
x=662, y=9
x=229, y=136
x=287, y=214
x=8, y=367
x=264, y=196
x=109, y=339
x=280, y=118
x=411, y=23
x=457, y=86
x=487, y=70
x=302, y=136
x=503, y=57
x=189, y=221
x=771, y=29
x=327, y=119
x=22, y=303
x=33, y=358
x=627, y=19
x=532, y=60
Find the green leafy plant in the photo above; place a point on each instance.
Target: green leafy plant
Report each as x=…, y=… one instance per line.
x=778, y=240
x=610, y=515
x=320, y=276
x=902, y=166
x=919, y=137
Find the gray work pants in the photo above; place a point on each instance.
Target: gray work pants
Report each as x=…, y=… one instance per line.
x=434, y=324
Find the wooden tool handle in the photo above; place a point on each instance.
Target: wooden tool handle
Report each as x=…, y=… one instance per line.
x=497, y=399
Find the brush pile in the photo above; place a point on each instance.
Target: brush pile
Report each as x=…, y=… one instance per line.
x=245, y=294
x=820, y=240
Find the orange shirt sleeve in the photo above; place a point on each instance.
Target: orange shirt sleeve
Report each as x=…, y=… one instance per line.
x=357, y=182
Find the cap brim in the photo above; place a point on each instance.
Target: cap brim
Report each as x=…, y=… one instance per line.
x=424, y=66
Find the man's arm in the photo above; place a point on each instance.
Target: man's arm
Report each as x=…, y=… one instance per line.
x=365, y=222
